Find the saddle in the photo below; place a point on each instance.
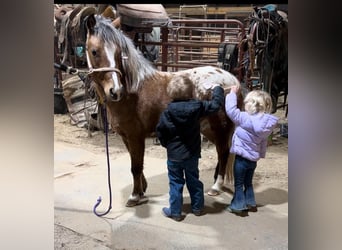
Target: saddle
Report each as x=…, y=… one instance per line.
x=72, y=32
x=271, y=11
x=268, y=20
x=227, y=56
x=64, y=15
x=77, y=24
x=60, y=12
x=142, y=15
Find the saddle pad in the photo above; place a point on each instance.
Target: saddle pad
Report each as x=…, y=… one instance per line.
x=142, y=15
x=79, y=17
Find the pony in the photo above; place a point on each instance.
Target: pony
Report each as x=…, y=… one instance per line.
x=266, y=45
x=134, y=93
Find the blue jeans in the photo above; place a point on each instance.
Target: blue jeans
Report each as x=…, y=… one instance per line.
x=176, y=171
x=243, y=176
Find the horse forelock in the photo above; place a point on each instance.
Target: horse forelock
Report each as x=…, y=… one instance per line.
x=135, y=67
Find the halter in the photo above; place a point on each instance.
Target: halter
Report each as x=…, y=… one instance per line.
x=103, y=69
x=75, y=71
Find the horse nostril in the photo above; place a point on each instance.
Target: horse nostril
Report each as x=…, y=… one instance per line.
x=112, y=94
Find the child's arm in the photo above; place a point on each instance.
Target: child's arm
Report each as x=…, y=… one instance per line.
x=215, y=103
x=232, y=110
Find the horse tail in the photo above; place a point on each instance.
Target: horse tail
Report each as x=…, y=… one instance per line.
x=229, y=168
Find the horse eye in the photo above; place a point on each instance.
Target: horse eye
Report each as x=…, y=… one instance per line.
x=93, y=52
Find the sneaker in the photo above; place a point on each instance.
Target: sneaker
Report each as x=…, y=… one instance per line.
x=197, y=212
x=167, y=213
x=252, y=208
x=230, y=210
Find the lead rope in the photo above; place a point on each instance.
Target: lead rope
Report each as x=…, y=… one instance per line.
x=108, y=166
x=74, y=71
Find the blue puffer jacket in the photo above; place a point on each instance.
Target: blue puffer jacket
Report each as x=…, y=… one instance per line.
x=251, y=132
x=178, y=129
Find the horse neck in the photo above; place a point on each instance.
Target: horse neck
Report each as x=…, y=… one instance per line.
x=136, y=69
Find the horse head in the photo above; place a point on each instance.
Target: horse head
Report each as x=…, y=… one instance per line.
x=104, y=58
x=116, y=65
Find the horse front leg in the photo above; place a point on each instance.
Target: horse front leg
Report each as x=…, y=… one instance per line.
x=136, y=151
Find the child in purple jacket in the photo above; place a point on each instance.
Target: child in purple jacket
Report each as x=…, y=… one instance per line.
x=249, y=142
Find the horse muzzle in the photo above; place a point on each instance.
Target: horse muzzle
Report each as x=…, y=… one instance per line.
x=115, y=96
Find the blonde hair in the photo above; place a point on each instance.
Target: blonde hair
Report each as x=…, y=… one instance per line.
x=180, y=88
x=258, y=101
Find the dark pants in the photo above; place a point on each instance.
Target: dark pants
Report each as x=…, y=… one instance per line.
x=243, y=176
x=176, y=172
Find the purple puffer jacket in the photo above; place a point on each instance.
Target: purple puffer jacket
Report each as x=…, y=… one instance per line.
x=251, y=132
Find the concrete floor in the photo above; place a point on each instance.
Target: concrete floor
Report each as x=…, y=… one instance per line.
x=80, y=177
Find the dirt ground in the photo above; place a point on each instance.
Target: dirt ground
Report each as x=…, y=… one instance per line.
x=271, y=171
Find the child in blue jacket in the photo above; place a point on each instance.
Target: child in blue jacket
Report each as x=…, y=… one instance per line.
x=178, y=130
x=249, y=142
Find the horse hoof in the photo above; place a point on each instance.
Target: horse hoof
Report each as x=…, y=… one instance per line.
x=134, y=202
x=131, y=203
x=213, y=192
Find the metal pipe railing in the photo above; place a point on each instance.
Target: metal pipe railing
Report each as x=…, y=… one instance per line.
x=182, y=46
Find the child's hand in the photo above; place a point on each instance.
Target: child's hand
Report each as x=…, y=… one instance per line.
x=210, y=85
x=215, y=85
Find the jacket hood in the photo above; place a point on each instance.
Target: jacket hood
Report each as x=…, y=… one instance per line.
x=265, y=125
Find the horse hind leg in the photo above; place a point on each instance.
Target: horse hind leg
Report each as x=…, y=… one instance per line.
x=218, y=183
x=219, y=175
x=224, y=167
x=144, y=182
x=225, y=163
x=226, y=174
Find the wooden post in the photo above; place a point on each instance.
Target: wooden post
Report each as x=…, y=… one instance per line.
x=165, y=34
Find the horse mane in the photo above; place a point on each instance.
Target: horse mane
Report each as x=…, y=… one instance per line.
x=136, y=68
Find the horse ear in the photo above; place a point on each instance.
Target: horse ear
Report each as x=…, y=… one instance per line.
x=109, y=12
x=90, y=23
x=117, y=22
